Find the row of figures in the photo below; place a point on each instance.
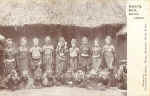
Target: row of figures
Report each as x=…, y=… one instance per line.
x=37, y=66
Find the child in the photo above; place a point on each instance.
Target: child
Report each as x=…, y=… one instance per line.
x=36, y=62
x=79, y=77
x=48, y=59
x=121, y=75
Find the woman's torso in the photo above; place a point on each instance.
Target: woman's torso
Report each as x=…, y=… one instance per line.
x=23, y=52
x=47, y=49
x=74, y=52
x=36, y=52
x=85, y=51
x=96, y=51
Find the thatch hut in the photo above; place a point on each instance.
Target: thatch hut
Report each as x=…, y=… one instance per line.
x=70, y=18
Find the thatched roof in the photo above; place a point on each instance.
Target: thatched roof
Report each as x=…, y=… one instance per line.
x=123, y=31
x=66, y=12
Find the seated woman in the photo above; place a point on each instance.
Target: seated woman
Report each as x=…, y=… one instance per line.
x=48, y=60
x=121, y=75
x=36, y=61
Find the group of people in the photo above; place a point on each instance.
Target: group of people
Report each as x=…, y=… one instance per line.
x=48, y=65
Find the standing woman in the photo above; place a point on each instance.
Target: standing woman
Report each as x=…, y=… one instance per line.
x=36, y=61
x=2, y=46
x=61, y=57
x=48, y=60
x=73, y=62
x=85, y=54
x=109, y=59
x=23, y=61
x=10, y=64
x=74, y=53
x=109, y=53
x=96, y=56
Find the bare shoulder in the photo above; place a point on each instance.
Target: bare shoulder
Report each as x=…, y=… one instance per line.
x=77, y=48
x=105, y=46
x=51, y=46
x=44, y=46
x=31, y=49
x=112, y=46
x=70, y=49
x=39, y=48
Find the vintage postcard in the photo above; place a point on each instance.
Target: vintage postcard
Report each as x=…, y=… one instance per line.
x=138, y=47
x=74, y=48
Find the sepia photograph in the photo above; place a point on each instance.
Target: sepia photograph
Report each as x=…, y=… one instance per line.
x=63, y=48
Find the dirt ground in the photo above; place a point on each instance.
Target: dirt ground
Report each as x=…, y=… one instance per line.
x=64, y=91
